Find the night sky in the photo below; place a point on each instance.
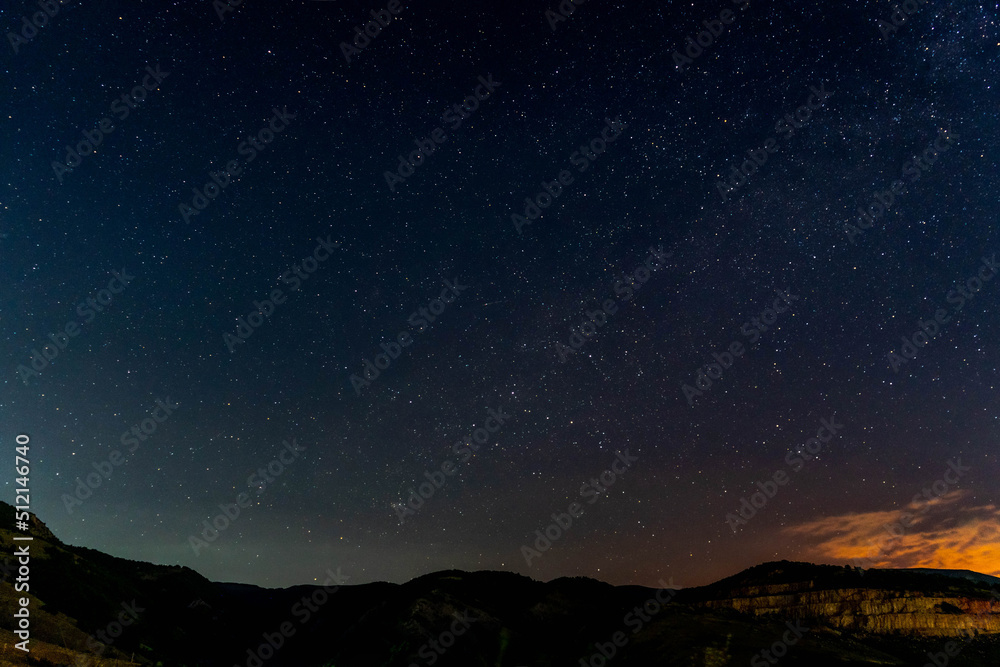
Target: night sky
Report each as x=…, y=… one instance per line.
x=615, y=209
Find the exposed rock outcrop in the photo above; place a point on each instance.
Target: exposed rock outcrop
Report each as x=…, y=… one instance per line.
x=953, y=607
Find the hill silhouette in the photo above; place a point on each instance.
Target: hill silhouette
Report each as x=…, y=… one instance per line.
x=813, y=615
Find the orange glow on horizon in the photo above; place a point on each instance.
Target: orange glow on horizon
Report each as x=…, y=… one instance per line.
x=941, y=534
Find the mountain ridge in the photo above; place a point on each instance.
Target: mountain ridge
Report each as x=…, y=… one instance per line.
x=853, y=616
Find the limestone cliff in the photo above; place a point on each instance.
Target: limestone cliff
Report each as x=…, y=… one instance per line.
x=944, y=609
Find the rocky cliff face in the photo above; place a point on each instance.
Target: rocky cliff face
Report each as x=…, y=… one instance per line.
x=868, y=609
x=484, y=619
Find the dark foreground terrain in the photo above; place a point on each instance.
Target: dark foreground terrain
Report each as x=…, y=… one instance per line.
x=88, y=608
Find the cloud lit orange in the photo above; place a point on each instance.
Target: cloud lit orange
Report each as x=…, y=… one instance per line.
x=947, y=532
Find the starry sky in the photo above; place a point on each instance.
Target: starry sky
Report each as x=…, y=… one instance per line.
x=615, y=208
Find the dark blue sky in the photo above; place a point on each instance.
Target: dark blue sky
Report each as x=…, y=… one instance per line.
x=821, y=111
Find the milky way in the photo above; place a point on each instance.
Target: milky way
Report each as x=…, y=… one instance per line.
x=391, y=288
